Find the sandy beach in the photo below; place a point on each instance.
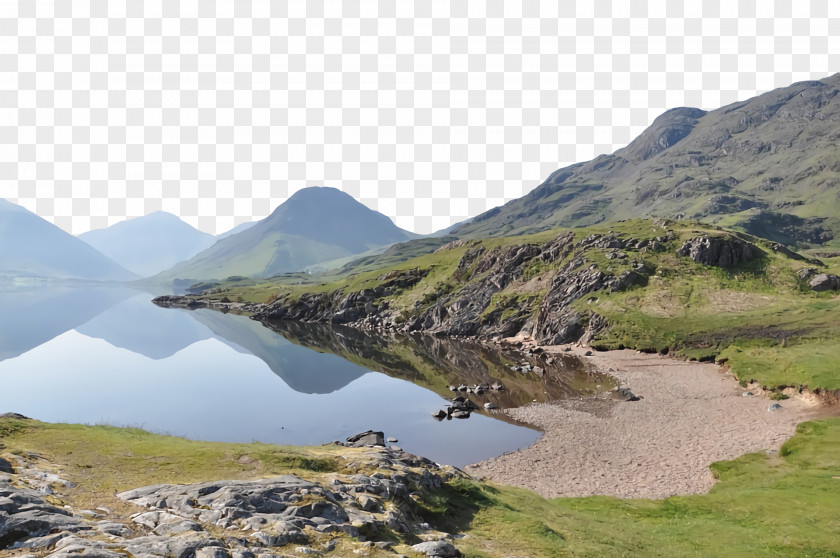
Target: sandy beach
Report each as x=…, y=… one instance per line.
x=690, y=415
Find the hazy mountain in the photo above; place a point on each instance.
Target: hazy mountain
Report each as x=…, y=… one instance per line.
x=236, y=230
x=147, y=245
x=33, y=247
x=769, y=165
x=35, y=314
x=314, y=225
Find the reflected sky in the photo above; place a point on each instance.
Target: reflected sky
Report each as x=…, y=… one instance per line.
x=209, y=376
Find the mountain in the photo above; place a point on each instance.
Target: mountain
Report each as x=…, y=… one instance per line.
x=768, y=166
x=236, y=230
x=150, y=244
x=33, y=247
x=314, y=225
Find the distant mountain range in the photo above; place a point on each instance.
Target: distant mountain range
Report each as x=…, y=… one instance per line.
x=314, y=225
x=150, y=244
x=769, y=165
x=31, y=246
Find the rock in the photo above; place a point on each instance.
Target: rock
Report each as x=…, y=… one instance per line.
x=440, y=414
x=212, y=552
x=718, y=251
x=498, y=386
x=392, y=440
x=774, y=407
x=460, y=414
x=587, y=353
x=747, y=394
x=490, y=406
x=5, y=466
x=825, y=282
x=453, y=388
x=24, y=514
x=462, y=387
x=539, y=371
x=624, y=394
x=436, y=549
x=368, y=438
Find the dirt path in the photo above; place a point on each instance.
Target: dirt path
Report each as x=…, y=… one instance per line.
x=691, y=415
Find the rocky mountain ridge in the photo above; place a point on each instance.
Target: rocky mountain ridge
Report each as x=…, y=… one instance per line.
x=768, y=165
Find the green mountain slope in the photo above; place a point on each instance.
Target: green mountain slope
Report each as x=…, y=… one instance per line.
x=768, y=166
x=314, y=225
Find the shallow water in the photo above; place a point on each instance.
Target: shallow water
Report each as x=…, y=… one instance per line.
x=109, y=356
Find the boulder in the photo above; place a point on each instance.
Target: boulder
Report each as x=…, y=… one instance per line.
x=369, y=438
x=824, y=282
x=624, y=394
x=774, y=407
x=436, y=549
x=5, y=466
x=440, y=414
x=490, y=406
x=718, y=251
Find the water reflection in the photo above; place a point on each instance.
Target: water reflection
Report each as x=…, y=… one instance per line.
x=109, y=356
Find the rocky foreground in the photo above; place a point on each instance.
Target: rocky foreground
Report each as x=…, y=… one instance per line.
x=352, y=513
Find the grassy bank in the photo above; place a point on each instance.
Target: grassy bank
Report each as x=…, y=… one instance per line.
x=776, y=505
x=760, y=317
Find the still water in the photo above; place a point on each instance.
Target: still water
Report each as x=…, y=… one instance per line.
x=109, y=356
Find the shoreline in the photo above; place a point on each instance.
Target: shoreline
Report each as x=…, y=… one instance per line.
x=690, y=415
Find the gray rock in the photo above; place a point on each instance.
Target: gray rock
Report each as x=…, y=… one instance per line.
x=212, y=552
x=440, y=414
x=825, y=282
x=369, y=438
x=392, y=440
x=747, y=394
x=774, y=407
x=624, y=394
x=490, y=406
x=718, y=251
x=6, y=467
x=437, y=549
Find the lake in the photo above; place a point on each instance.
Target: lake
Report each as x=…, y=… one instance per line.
x=99, y=355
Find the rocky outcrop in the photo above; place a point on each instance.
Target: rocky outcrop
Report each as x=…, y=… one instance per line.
x=483, y=305
x=825, y=282
x=371, y=500
x=718, y=251
x=26, y=515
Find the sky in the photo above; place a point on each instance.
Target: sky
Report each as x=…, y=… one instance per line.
x=429, y=112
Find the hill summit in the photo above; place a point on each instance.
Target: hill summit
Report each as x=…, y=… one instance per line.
x=314, y=225
x=768, y=166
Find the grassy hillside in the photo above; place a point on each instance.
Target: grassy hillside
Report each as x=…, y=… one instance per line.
x=778, y=505
x=313, y=226
x=760, y=317
x=767, y=165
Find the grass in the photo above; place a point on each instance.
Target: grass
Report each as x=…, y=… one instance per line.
x=760, y=317
x=775, y=505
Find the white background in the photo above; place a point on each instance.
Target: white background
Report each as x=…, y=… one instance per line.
x=428, y=111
